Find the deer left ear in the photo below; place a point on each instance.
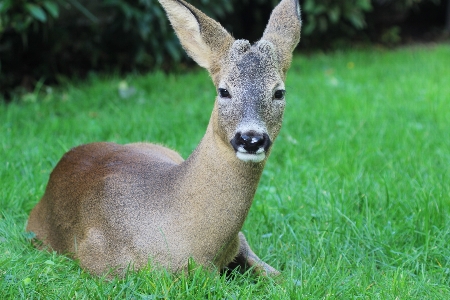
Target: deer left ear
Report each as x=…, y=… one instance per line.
x=283, y=30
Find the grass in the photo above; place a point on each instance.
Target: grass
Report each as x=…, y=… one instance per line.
x=354, y=201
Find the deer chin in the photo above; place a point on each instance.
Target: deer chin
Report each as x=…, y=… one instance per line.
x=251, y=157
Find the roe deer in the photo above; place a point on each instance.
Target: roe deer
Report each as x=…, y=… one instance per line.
x=114, y=206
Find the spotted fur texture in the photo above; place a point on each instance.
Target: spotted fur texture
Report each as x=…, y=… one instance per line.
x=115, y=206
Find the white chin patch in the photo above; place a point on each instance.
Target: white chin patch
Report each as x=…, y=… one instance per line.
x=247, y=157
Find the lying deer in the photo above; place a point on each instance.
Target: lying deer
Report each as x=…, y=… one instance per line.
x=115, y=206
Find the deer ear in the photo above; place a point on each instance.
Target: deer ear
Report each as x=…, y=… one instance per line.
x=283, y=30
x=204, y=39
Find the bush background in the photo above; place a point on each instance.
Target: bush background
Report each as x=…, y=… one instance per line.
x=50, y=41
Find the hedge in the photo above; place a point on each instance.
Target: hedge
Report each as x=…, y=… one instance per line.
x=50, y=40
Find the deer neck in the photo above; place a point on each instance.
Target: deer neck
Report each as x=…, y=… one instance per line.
x=216, y=188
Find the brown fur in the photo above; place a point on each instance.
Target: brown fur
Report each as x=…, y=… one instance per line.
x=114, y=205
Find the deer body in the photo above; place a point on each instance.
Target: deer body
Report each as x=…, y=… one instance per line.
x=112, y=206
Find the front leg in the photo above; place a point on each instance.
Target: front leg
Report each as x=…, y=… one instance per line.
x=247, y=259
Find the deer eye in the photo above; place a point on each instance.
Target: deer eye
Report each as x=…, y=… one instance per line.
x=279, y=94
x=224, y=93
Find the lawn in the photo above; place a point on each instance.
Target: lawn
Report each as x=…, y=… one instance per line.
x=354, y=201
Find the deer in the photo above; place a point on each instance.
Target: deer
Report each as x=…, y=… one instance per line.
x=112, y=207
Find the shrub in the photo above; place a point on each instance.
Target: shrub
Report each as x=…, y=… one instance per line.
x=321, y=15
x=48, y=40
x=54, y=39
x=19, y=15
x=19, y=21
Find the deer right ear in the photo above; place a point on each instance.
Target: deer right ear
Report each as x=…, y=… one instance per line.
x=203, y=38
x=283, y=30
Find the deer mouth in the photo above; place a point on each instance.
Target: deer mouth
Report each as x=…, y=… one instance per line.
x=251, y=146
x=251, y=157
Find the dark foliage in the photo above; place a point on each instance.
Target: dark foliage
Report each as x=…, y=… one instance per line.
x=49, y=40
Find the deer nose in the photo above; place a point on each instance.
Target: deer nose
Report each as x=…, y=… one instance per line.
x=251, y=141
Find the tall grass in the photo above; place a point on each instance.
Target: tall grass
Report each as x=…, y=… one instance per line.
x=354, y=201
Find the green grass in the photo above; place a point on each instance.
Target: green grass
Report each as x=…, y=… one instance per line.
x=354, y=201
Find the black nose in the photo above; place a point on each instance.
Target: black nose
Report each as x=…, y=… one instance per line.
x=251, y=141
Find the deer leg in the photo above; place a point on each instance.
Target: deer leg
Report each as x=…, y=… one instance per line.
x=247, y=259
